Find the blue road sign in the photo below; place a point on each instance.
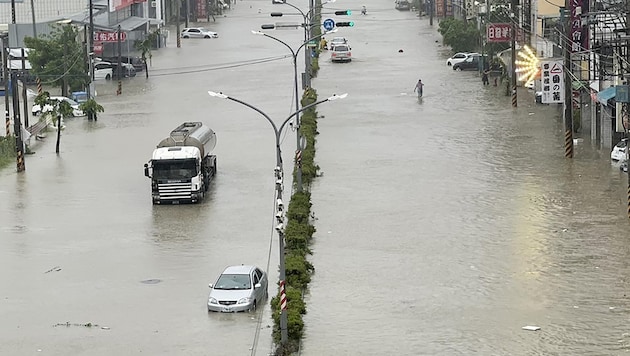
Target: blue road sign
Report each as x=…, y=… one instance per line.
x=329, y=24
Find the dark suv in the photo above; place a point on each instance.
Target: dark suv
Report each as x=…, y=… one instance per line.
x=471, y=63
x=403, y=5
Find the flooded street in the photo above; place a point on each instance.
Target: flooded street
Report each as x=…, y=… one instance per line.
x=443, y=226
x=446, y=226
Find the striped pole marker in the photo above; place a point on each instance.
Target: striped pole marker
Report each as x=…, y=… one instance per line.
x=298, y=157
x=628, y=200
x=283, y=297
x=39, y=86
x=179, y=41
x=119, y=90
x=8, y=123
x=514, y=98
x=568, y=144
x=20, y=162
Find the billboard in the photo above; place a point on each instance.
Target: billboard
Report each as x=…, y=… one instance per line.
x=115, y=5
x=552, y=81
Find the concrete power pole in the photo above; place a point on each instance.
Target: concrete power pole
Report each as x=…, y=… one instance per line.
x=179, y=40
x=568, y=90
x=33, y=18
x=17, y=124
x=626, y=107
x=513, y=18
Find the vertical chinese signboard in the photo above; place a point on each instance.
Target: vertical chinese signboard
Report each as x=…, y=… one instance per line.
x=552, y=82
x=440, y=6
x=201, y=9
x=498, y=32
x=579, y=29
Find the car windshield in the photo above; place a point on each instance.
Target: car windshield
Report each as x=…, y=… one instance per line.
x=174, y=169
x=339, y=40
x=69, y=101
x=233, y=282
x=622, y=144
x=341, y=48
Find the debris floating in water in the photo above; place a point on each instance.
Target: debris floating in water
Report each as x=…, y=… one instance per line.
x=531, y=328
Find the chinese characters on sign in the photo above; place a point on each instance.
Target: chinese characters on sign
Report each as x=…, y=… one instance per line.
x=552, y=81
x=498, y=32
x=579, y=32
x=101, y=36
x=439, y=8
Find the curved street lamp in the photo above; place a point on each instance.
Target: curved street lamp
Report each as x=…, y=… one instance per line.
x=279, y=175
x=294, y=54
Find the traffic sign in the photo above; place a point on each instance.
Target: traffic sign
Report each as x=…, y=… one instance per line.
x=329, y=24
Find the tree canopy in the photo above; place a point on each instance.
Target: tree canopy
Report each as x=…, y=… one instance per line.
x=59, y=58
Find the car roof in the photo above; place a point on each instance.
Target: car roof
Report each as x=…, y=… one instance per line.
x=242, y=269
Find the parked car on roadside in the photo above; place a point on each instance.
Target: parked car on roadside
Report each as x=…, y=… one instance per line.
x=456, y=58
x=238, y=288
x=618, y=153
x=37, y=110
x=103, y=70
x=472, y=62
x=198, y=32
x=341, y=53
x=135, y=61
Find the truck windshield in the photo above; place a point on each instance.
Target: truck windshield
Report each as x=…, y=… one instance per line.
x=174, y=169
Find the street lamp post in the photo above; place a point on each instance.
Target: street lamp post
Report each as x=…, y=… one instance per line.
x=294, y=54
x=279, y=175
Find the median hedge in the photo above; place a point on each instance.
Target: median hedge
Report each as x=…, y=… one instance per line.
x=298, y=236
x=299, y=231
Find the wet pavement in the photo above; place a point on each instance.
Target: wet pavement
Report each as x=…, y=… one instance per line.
x=444, y=226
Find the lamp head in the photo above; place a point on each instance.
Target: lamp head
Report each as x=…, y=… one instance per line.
x=217, y=95
x=336, y=97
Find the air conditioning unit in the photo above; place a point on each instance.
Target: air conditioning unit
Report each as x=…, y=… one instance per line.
x=154, y=3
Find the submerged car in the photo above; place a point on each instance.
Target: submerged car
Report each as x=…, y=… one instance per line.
x=36, y=110
x=238, y=289
x=341, y=53
x=198, y=32
x=618, y=153
x=336, y=41
x=456, y=58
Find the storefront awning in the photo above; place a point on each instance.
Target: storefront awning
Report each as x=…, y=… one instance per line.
x=606, y=94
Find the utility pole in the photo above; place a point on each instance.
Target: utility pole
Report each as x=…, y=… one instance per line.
x=568, y=90
x=24, y=91
x=33, y=18
x=514, y=18
x=5, y=75
x=17, y=125
x=119, y=67
x=91, y=55
x=187, y=12
x=430, y=12
x=179, y=39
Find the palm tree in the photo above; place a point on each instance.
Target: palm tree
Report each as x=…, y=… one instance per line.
x=91, y=108
x=144, y=47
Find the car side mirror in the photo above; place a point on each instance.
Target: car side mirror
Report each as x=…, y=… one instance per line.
x=210, y=285
x=146, y=170
x=258, y=285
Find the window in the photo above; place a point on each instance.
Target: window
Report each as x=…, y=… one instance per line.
x=256, y=278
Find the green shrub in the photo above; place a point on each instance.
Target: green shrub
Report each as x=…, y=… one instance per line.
x=7, y=150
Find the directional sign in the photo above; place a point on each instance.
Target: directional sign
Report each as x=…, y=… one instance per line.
x=329, y=24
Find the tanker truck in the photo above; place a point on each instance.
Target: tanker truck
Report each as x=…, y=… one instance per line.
x=182, y=167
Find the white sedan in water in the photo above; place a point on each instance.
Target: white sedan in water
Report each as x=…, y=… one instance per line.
x=36, y=110
x=618, y=153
